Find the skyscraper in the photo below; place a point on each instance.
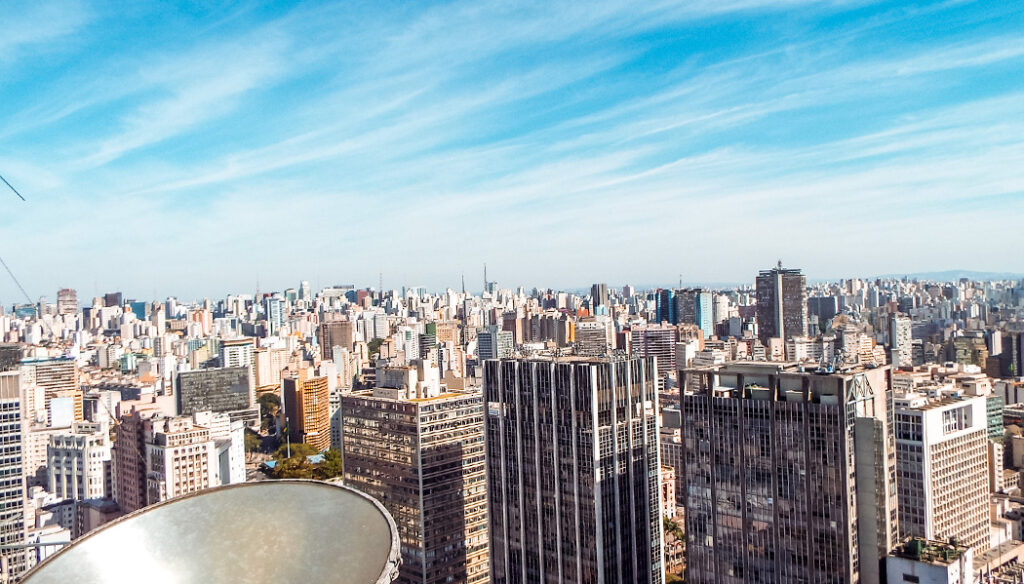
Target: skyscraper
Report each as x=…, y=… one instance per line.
x=67, y=301
x=12, y=480
x=665, y=305
x=786, y=476
x=599, y=295
x=781, y=304
x=900, y=341
x=306, y=403
x=573, y=470
x=941, y=454
x=423, y=459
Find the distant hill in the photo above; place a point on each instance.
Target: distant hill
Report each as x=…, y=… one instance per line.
x=953, y=275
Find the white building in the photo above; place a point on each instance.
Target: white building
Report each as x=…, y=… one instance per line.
x=78, y=462
x=942, y=468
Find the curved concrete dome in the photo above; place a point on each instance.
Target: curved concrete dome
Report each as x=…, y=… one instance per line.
x=275, y=531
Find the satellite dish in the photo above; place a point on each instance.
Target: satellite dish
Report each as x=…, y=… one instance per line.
x=272, y=531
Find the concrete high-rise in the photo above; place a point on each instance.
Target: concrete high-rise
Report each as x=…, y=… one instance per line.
x=423, y=459
x=599, y=295
x=573, y=470
x=942, y=463
x=46, y=379
x=306, y=404
x=901, y=341
x=786, y=476
x=12, y=480
x=781, y=304
x=657, y=340
x=78, y=462
x=67, y=301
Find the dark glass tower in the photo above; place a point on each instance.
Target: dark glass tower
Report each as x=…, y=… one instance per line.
x=573, y=470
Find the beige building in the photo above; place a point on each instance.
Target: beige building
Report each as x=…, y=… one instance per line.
x=181, y=457
x=942, y=468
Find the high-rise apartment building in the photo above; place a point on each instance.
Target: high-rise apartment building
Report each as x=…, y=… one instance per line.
x=181, y=458
x=129, y=461
x=781, y=304
x=46, y=379
x=67, y=301
x=901, y=341
x=307, y=407
x=12, y=481
x=573, y=470
x=942, y=462
x=237, y=352
x=423, y=459
x=785, y=475
x=336, y=333
x=78, y=463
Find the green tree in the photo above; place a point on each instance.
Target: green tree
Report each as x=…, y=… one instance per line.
x=252, y=441
x=298, y=450
x=374, y=346
x=331, y=467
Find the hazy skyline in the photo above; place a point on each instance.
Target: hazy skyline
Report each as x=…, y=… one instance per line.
x=191, y=151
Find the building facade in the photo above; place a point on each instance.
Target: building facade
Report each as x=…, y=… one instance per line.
x=307, y=406
x=786, y=476
x=573, y=470
x=942, y=457
x=781, y=304
x=423, y=459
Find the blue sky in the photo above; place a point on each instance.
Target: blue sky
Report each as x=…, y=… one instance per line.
x=192, y=150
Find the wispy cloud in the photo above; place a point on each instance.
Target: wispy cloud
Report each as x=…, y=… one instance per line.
x=562, y=141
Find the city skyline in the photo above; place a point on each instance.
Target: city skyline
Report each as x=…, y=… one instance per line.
x=550, y=140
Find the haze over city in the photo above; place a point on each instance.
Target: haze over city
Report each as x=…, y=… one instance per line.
x=195, y=150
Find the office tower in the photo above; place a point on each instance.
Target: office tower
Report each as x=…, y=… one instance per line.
x=78, y=462
x=236, y=352
x=824, y=307
x=307, y=407
x=786, y=476
x=599, y=295
x=335, y=333
x=67, y=301
x=658, y=340
x=226, y=389
x=573, y=470
x=703, y=311
x=494, y=344
x=423, y=459
x=942, y=463
x=12, y=481
x=113, y=299
x=900, y=341
x=595, y=336
x=304, y=291
x=781, y=304
x=665, y=306
x=181, y=458
x=46, y=379
x=686, y=305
